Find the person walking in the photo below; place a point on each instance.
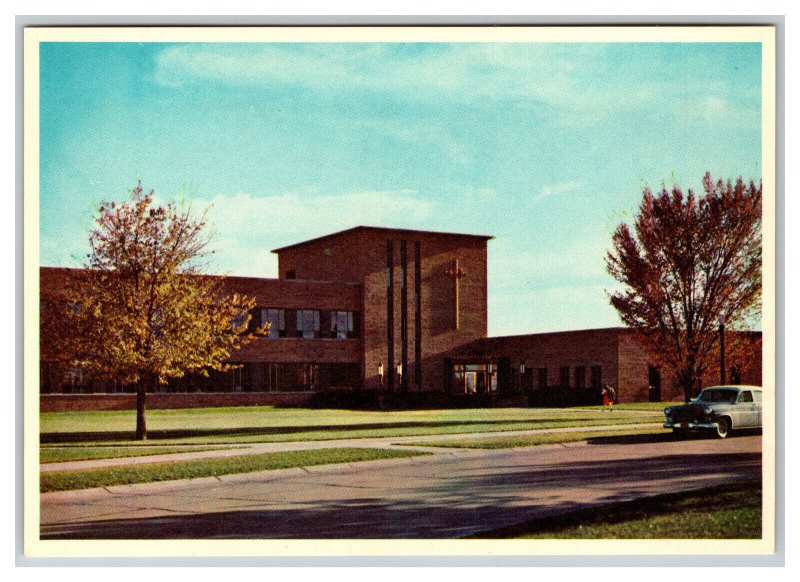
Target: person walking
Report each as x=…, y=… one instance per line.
x=609, y=396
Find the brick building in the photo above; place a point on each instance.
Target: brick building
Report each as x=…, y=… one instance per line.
x=392, y=311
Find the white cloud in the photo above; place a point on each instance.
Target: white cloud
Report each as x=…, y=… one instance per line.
x=560, y=188
x=569, y=83
x=522, y=74
x=246, y=227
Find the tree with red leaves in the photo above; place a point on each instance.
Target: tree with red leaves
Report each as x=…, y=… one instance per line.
x=689, y=262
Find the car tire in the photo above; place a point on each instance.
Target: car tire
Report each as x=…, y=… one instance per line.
x=723, y=427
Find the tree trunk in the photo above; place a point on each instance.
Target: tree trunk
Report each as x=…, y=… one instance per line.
x=688, y=378
x=141, y=405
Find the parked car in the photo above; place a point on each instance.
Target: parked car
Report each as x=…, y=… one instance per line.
x=720, y=409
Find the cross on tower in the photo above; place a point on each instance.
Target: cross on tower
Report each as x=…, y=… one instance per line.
x=456, y=274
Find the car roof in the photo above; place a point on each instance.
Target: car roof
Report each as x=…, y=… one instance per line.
x=735, y=387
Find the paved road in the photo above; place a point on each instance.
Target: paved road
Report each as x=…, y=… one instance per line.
x=440, y=496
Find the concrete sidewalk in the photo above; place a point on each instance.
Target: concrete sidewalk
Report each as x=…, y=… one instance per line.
x=367, y=443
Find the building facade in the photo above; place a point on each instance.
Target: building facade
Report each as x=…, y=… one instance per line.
x=398, y=312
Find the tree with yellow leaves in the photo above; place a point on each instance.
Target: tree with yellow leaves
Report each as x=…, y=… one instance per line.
x=141, y=312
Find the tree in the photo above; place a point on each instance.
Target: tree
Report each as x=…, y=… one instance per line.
x=141, y=312
x=689, y=261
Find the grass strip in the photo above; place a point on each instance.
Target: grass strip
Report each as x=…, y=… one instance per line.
x=312, y=434
x=149, y=472
x=730, y=511
x=548, y=438
x=64, y=454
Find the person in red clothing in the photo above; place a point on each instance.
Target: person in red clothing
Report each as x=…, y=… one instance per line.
x=609, y=396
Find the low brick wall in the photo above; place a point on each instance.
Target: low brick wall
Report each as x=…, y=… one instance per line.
x=76, y=402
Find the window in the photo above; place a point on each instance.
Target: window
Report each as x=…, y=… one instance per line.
x=292, y=274
x=746, y=396
x=564, y=376
x=238, y=320
x=597, y=377
x=542, y=378
x=306, y=376
x=307, y=323
x=276, y=320
x=580, y=376
x=342, y=324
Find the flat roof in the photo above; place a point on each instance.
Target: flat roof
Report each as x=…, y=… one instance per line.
x=381, y=229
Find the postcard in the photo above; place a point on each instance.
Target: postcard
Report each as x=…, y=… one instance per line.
x=399, y=291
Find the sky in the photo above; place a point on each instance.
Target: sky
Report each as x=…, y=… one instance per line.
x=547, y=147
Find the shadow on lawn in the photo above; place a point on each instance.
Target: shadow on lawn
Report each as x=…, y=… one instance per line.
x=342, y=429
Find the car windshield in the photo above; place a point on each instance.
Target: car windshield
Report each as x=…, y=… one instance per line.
x=718, y=395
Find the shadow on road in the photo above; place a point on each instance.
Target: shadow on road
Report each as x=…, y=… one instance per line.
x=459, y=502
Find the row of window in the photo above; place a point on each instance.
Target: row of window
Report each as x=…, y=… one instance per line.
x=307, y=323
x=246, y=377
x=573, y=378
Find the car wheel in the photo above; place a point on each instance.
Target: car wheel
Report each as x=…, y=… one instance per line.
x=679, y=433
x=723, y=427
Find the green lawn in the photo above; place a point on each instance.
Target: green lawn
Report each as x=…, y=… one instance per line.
x=506, y=442
x=200, y=426
x=63, y=454
x=724, y=512
x=129, y=474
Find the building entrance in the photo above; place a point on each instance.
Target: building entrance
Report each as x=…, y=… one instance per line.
x=654, y=381
x=473, y=378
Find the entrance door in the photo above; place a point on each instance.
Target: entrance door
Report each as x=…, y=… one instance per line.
x=471, y=379
x=654, y=381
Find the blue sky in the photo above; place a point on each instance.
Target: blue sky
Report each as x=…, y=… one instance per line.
x=545, y=146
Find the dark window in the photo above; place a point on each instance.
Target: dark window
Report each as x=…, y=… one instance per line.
x=343, y=324
x=580, y=377
x=238, y=320
x=564, y=374
x=274, y=377
x=307, y=323
x=597, y=377
x=746, y=396
x=306, y=376
x=276, y=318
x=291, y=274
x=542, y=377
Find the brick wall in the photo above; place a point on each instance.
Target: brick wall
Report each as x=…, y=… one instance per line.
x=743, y=350
x=584, y=348
x=360, y=255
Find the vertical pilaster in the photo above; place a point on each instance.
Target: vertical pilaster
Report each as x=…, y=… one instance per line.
x=390, y=369
x=417, y=317
x=404, y=314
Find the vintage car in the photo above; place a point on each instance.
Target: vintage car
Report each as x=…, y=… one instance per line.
x=720, y=409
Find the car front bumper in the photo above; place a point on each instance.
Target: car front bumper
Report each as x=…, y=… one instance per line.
x=691, y=425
